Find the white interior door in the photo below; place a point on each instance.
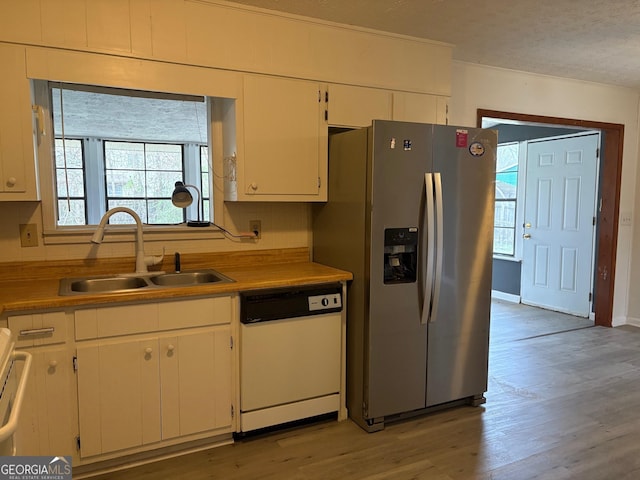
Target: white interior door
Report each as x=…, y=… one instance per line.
x=558, y=228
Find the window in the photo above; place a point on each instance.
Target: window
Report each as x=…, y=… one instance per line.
x=72, y=205
x=506, y=199
x=127, y=148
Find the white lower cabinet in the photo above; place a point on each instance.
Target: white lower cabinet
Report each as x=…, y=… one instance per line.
x=129, y=379
x=134, y=392
x=143, y=389
x=47, y=420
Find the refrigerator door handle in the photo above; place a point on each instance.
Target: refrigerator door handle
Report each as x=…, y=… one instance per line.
x=430, y=221
x=439, y=249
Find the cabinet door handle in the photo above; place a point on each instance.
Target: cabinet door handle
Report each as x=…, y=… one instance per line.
x=37, y=331
x=170, y=348
x=148, y=350
x=53, y=363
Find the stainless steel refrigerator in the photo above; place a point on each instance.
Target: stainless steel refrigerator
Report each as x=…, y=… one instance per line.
x=410, y=214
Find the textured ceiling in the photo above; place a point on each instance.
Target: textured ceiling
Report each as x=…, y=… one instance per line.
x=593, y=40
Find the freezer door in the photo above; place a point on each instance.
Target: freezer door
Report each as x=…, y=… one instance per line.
x=395, y=339
x=458, y=338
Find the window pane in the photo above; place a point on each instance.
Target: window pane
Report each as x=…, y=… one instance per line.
x=125, y=183
x=503, y=240
x=163, y=212
x=138, y=206
x=161, y=184
x=505, y=214
x=71, y=212
x=163, y=157
x=507, y=157
x=124, y=155
x=506, y=185
x=204, y=172
x=74, y=179
x=74, y=153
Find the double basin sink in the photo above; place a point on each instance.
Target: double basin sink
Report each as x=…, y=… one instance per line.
x=133, y=282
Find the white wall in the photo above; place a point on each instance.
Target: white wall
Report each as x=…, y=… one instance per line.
x=477, y=86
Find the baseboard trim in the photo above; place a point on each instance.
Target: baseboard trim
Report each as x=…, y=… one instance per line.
x=629, y=321
x=507, y=297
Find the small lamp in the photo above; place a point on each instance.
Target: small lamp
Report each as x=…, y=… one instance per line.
x=182, y=198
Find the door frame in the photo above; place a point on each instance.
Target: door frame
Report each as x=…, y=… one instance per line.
x=609, y=181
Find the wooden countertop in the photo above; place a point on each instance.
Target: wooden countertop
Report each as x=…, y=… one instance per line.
x=251, y=270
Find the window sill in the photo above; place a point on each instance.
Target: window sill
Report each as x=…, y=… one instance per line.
x=127, y=233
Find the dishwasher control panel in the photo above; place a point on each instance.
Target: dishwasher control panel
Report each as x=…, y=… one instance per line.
x=324, y=302
x=290, y=302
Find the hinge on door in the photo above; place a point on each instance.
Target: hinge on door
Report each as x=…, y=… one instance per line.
x=231, y=342
x=78, y=442
x=75, y=363
x=326, y=115
x=594, y=221
x=326, y=96
x=598, y=152
x=233, y=412
x=590, y=296
x=319, y=182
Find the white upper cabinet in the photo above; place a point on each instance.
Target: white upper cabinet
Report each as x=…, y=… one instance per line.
x=351, y=106
x=284, y=140
x=17, y=159
x=417, y=107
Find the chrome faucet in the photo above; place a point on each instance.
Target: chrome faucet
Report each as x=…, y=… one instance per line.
x=141, y=260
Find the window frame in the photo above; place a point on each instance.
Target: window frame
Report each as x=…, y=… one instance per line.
x=63, y=234
x=519, y=201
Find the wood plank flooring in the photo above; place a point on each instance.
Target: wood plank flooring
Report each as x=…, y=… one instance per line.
x=562, y=403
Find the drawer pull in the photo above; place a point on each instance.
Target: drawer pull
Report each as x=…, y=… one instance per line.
x=37, y=331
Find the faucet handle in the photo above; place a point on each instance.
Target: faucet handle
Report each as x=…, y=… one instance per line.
x=154, y=259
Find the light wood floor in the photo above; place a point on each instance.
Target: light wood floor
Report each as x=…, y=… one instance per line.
x=563, y=403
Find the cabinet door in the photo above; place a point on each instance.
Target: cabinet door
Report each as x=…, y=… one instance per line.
x=285, y=140
x=118, y=395
x=351, y=106
x=46, y=425
x=17, y=161
x=196, y=382
x=416, y=107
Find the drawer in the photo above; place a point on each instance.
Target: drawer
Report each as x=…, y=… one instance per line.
x=39, y=329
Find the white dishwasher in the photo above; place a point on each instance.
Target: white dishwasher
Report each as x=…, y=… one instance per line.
x=290, y=354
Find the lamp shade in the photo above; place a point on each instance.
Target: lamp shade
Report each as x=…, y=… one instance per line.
x=181, y=197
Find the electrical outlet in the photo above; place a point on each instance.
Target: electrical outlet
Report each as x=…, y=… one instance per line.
x=29, y=235
x=625, y=219
x=255, y=226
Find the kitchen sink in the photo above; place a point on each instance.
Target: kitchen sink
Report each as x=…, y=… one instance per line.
x=110, y=284
x=122, y=283
x=188, y=278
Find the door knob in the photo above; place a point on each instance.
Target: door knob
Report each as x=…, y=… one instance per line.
x=526, y=236
x=527, y=225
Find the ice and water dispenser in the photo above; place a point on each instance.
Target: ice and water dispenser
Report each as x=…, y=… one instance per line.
x=400, y=255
